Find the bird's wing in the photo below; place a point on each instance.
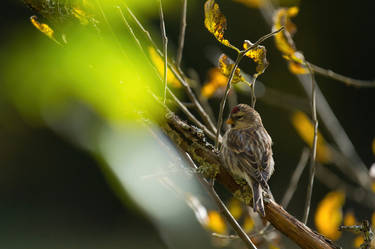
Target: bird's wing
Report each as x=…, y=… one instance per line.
x=253, y=149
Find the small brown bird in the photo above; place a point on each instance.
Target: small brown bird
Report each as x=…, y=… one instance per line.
x=247, y=152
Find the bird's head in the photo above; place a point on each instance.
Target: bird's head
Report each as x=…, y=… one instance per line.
x=243, y=116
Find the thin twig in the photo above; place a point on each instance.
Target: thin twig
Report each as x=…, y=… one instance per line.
x=241, y=233
x=112, y=31
x=224, y=99
x=181, y=38
x=224, y=236
x=233, y=237
x=165, y=48
x=206, y=118
x=252, y=90
x=139, y=24
x=240, y=55
x=313, y=150
x=224, y=210
x=347, y=80
x=190, y=116
x=365, y=229
x=295, y=178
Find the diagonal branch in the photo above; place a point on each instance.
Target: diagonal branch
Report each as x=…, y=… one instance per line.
x=313, y=149
x=295, y=178
x=347, y=80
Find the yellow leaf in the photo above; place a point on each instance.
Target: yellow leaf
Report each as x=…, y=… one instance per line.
x=44, y=28
x=358, y=241
x=252, y=3
x=235, y=208
x=258, y=55
x=283, y=40
x=328, y=215
x=226, y=65
x=80, y=15
x=216, y=223
x=216, y=80
x=248, y=224
x=297, y=68
x=159, y=64
x=305, y=129
x=349, y=219
x=216, y=22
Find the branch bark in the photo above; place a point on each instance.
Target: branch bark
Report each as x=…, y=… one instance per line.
x=192, y=140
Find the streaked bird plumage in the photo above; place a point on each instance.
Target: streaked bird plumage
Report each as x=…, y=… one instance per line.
x=247, y=152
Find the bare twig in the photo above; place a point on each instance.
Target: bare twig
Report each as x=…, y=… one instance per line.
x=111, y=30
x=295, y=178
x=365, y=229
x=190, y=115
x=165, y=48
x=224, y=210
x=313, y=150
x=347, y=80
x=232, y=237
x=252, y=88
x=240, y=55
x=205, y=117
x=139, y=24
x=224, y=99
x=181, y=38
x=224, y=236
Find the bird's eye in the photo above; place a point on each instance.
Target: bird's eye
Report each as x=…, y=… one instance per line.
x=239, y=117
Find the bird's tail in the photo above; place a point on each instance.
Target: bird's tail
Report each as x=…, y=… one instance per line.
x=258, y=205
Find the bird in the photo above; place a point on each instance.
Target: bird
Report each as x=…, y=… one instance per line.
x=247, y=152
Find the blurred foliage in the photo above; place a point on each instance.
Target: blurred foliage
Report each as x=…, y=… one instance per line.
x=101, y=69
x=159, y=64
x=216, y=80
x=305, y=129
x=328, y=216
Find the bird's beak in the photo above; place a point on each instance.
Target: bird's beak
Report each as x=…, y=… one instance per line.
x=229, y=121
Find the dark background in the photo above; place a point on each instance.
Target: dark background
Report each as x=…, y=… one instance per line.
x=53, y=193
